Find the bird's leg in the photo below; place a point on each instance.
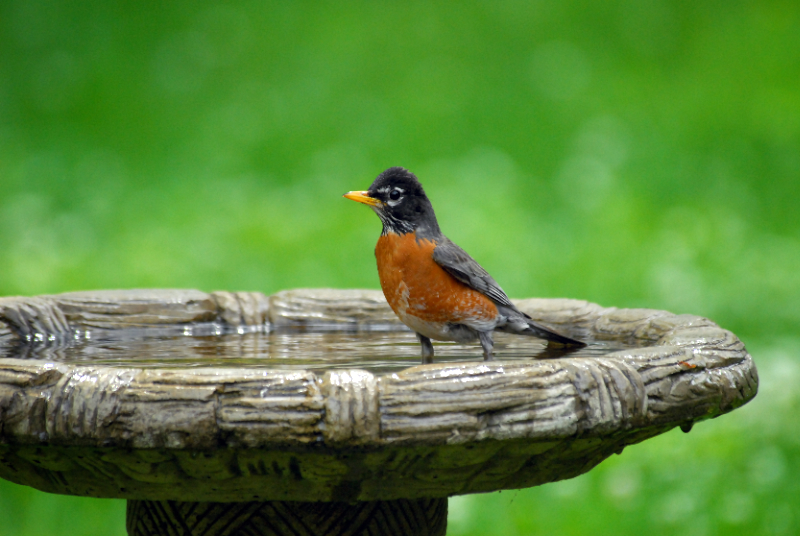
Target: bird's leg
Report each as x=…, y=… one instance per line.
x=487, y=344
x=427, y=349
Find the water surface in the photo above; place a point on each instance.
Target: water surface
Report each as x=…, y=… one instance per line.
x=292, y=349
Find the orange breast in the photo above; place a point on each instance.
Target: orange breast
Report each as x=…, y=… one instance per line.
x=415, y=285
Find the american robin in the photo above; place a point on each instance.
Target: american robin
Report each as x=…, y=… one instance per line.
x=433, y=285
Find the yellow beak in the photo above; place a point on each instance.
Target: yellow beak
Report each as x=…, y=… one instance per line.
x=362, y=197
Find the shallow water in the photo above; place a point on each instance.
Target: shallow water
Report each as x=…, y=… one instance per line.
x=376, y=351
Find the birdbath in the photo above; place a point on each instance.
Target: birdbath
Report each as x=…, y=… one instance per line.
x=215, y=445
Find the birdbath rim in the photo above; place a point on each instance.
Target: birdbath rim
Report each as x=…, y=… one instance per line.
x=231, y=434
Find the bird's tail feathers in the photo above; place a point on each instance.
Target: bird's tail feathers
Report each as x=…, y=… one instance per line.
x=543, y=333
x=526, y=326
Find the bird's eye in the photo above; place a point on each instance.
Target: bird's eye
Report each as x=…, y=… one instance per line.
x=394, y=195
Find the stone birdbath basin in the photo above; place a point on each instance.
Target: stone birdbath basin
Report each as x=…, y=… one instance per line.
x=252, y=440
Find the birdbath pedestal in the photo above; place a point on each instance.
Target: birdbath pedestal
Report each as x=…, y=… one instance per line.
x=220, y=450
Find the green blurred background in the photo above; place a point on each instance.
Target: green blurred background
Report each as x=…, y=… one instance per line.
x=632, y=153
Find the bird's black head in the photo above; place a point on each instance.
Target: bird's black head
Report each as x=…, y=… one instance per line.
x=400, y=202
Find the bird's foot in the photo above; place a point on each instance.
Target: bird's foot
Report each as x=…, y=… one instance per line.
x=427, y=349
x=487, y=344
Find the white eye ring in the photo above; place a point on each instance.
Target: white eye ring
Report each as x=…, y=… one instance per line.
x=394, y=195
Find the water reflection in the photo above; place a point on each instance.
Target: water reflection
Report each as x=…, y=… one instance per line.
x=376, y=351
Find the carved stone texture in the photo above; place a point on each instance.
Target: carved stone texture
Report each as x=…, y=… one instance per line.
x=228, y=434
x=64, y=314
x=321, y=307
x=402, y=517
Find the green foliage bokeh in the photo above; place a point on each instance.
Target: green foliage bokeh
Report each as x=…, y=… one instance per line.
x=634, y=154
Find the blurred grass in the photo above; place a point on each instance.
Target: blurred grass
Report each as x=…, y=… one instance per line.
x=635, y=154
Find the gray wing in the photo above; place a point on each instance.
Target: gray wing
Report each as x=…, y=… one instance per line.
x=460, y=265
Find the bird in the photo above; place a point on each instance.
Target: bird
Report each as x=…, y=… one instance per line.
x=433, y=286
